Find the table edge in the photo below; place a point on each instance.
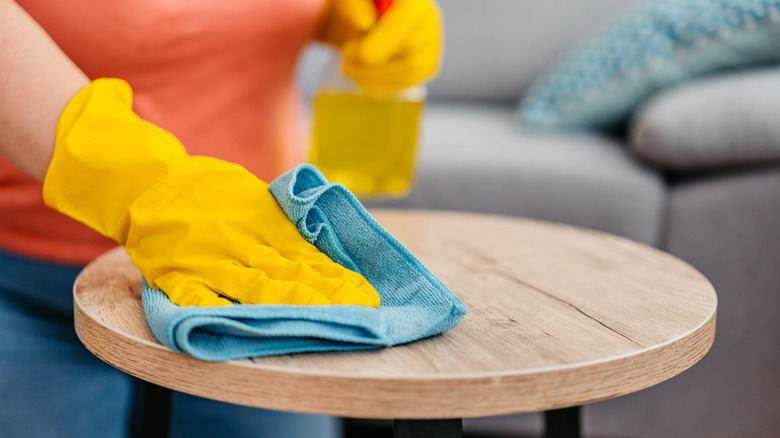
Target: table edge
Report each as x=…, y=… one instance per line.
x=500, y=393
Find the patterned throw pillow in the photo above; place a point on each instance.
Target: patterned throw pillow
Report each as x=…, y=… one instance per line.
x=654, y=46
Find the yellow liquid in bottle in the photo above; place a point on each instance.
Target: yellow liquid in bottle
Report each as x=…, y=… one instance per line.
x=366, y=142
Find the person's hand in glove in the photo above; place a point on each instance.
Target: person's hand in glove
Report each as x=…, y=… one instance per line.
x=200, y=229
x=400, y=49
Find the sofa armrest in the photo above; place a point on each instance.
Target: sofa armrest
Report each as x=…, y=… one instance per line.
x=715, y=123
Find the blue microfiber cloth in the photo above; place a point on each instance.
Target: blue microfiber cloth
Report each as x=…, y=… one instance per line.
x=415, y=304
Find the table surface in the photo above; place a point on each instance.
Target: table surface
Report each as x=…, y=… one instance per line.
x=559, y=316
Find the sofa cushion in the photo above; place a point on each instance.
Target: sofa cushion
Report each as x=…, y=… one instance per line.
x=658, y=44
x=728, y=120
x=473, y=158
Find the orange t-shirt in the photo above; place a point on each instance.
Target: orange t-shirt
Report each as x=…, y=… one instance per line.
x=219, y=75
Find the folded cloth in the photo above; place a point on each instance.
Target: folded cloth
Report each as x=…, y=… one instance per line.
x=415, y=304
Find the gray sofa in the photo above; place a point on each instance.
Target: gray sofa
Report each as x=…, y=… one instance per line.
x=697, y=174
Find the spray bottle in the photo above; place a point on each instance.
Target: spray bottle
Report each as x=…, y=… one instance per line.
x=363, y=139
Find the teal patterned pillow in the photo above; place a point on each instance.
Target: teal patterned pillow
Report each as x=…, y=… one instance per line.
x=654, y=46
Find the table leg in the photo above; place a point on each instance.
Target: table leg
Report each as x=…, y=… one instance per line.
x=155, y=411
x=450, y=428
x=562, y=423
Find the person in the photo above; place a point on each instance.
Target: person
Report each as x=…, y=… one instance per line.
x=156, y=125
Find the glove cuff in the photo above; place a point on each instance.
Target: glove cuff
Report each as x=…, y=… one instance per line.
x=105, y=156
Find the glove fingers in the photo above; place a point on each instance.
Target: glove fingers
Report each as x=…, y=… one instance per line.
x=315, y=270
x=391, y=35
x=184, y=291
x=320, y=265
x=394, y=76
x=345, y=20
x=359, y=14
x=250, y=285
x=349, y=294
x=323, y=265
x=419, y=63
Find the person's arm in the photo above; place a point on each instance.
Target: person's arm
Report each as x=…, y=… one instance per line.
x=36, y=82
x=203, y=230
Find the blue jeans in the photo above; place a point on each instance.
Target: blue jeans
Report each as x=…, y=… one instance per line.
x=51, y=385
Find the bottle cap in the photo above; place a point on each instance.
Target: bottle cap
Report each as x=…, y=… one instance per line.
x=381, y=6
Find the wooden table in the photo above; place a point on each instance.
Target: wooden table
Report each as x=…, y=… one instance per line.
x=559, y=317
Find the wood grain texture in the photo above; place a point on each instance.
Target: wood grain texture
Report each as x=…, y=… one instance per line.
x=559, y=316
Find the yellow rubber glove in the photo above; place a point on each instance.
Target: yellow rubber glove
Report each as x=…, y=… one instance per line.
x=198, y=228
x=400, y=49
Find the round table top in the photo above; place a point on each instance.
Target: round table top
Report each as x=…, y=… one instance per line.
x=559, y=316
